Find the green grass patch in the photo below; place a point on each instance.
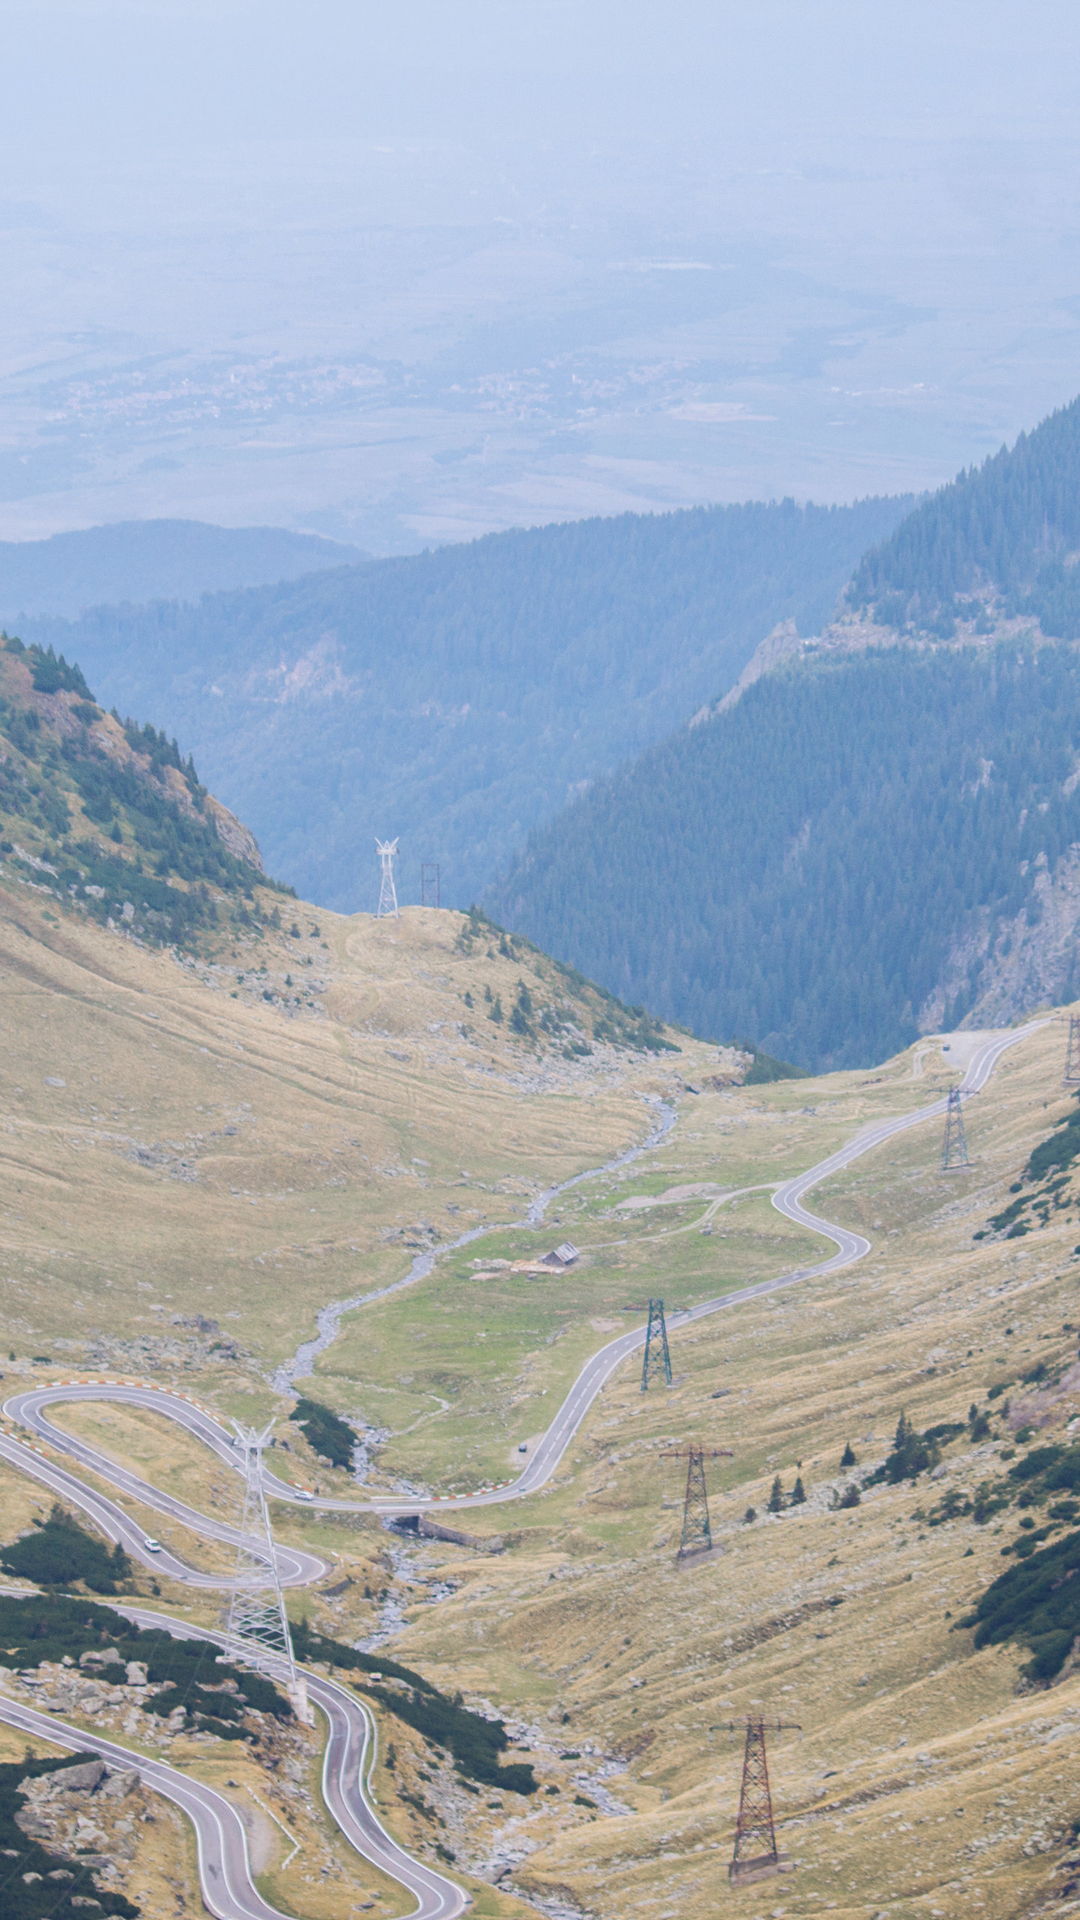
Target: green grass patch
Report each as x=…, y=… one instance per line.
x=460, y=1370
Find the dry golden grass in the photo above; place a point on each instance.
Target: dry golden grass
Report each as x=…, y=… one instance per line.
x=923, y=1782
x=174, y=1151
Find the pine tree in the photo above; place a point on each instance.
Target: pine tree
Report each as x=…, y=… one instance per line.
x=847, y=1458
x=798, y=1493
x=776, y=1497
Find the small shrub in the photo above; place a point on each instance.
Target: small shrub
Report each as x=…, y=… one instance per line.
x=53, y=675
x=59, y=1552
x=188, y=1671
x=1037, y=1602
x=911, y=1454
x=328, y=1433
x=28, y=1891
x=851, y=1497
x=475, y=1742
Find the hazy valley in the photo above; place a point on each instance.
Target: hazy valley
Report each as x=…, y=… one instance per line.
x=399, y=1182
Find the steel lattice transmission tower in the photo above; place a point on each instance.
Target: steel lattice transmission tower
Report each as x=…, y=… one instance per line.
x=756, y=1856
x=1072, y=1056
x=696, y=1531
x=954, y=1150
x=388, y=906
x=258, y=1631
x=657, y=1358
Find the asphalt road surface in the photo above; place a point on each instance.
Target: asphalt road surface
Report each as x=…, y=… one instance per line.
x=296, y=1567
x=224, y=1868
x=29, y=1407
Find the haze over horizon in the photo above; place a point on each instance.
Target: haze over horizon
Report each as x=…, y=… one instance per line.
x=406, y=281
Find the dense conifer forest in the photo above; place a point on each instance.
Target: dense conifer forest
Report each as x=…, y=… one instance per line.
x=459, y=697
x=109, y=815
x=1011, y=526
x=797, y=869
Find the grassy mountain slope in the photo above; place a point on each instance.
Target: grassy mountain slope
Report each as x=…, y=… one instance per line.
x=137, y=560
x=108, y=817
x=246, y=1136
x=855, y=850
x=1001, y=541
x=930, y=1774
x=457, y=698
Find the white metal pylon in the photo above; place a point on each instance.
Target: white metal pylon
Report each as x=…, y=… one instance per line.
x=258, y=1631
x=388, y=906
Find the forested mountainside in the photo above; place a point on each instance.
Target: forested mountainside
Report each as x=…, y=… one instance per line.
x=864, y=845
x=139, y=560
x=1002, y=541
x=108, y=817
x=457, y=698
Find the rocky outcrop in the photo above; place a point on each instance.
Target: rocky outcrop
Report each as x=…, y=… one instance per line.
x=777, y=646
x=232, y=832
x=851, y=633
x=999, y=972
x=66, y=712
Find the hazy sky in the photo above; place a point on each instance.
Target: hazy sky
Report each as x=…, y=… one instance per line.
x=407, y=273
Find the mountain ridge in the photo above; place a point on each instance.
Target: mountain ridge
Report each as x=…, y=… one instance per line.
x=864, y=847
x=1001, y=541
x=454, y=698
x=138, y=560
x=975, y=590
x=94, y=809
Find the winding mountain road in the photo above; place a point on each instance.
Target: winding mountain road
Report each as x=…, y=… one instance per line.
x=224, y=1868
x=29, y=1407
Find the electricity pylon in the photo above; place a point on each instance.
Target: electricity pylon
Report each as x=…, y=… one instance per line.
x=1072, y=1056
x=954, y=1151
x=696, y=1531
x=657, y=1357
x=258, y=1631
x=388, y=906
x=756, y=1856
